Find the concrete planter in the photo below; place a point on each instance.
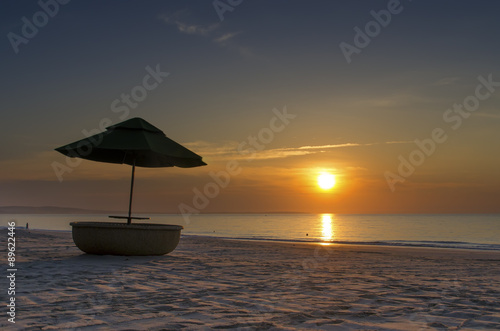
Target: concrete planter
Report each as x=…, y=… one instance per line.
x=122, y=239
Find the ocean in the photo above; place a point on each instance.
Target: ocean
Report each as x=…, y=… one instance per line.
x=466, y=231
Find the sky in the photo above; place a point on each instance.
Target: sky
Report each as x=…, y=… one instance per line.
x=399, y=100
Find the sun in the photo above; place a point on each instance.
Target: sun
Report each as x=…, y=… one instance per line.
x=326, y=180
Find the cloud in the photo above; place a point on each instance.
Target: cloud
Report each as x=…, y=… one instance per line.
x=207, y=149
x=305, y=150
x=176, y=19
x=195, y=29
x=222, y=39
x=446, y=81
x=225, y=37
x=350, y=145
x=229, y=150
x=487, y=115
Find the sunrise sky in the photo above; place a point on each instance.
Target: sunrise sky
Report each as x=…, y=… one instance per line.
x=342, y=87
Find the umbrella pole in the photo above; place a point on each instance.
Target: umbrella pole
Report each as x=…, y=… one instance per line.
x=129, y=219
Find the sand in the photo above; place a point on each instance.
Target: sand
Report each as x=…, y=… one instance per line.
x=210, y=283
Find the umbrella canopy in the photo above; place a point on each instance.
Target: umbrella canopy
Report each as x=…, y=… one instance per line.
x=135, y=142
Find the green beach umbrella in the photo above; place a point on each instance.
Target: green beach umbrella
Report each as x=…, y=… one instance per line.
x=137, y=143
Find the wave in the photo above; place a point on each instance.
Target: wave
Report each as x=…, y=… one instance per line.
x=397, y=243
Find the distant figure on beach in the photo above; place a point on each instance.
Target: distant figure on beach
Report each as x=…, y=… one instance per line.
x=27, y=226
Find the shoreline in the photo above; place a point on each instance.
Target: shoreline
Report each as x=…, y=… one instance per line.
x=395, y=244
x=362, y=244
x=211, y=283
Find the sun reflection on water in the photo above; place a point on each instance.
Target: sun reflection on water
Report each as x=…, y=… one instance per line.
x=327, y=227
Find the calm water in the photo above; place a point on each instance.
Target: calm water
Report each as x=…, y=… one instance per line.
x=457, y=231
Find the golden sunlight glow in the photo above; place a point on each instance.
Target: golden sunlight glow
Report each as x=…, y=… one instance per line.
x=326, y=227
x=326, y=180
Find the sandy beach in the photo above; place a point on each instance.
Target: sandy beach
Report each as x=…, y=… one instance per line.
x=209, y=283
